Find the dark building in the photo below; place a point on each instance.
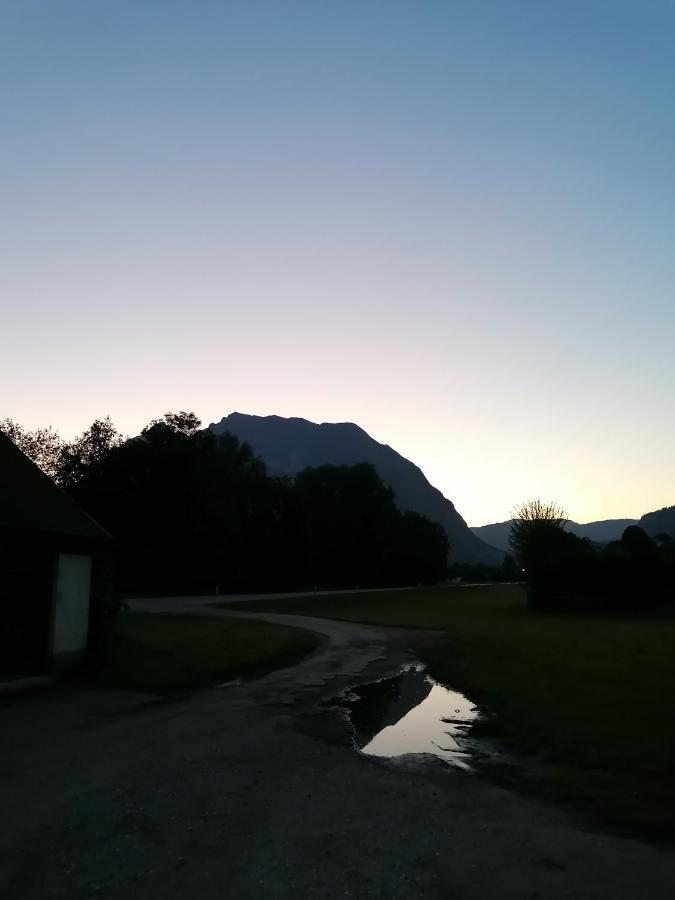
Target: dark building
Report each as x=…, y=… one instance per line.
x=47, y=543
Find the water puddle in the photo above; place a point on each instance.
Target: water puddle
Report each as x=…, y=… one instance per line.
x=410, y=713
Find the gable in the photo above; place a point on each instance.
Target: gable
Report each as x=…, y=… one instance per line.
x=30, y=501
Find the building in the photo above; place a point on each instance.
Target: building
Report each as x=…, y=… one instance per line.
x=47, y=544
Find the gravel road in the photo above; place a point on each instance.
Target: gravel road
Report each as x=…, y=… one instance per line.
x=254, y=790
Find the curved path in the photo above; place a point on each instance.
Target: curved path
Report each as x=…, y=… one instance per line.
x=347, y=649
x=254, y=791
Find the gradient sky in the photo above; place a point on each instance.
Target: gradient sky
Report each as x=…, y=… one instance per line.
x=450, y=222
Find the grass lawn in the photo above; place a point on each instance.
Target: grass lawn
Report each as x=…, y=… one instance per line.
x=594, y=695
x=161, y=653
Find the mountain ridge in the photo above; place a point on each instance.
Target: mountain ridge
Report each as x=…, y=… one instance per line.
x=601, y=531
x=288, y=445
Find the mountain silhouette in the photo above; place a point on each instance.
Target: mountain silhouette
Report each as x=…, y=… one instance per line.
x=289, y=445
x=662, y=521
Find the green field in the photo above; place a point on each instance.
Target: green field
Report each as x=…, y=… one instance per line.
x=161, y=653
x=593, y=696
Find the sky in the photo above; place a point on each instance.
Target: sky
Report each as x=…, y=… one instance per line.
x=452, y=223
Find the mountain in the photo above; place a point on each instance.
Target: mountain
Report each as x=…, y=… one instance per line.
x=496, y=535
x=662, y=521
x=289, y=445
x=601, y=532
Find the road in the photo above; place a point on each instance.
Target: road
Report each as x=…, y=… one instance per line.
x=255, y=791
x=186, y=603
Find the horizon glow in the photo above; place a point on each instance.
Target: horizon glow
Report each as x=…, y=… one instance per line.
x=451, y=224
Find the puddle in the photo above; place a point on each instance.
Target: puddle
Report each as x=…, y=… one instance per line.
x=410, y=713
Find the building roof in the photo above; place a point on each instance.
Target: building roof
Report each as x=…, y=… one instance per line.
x=30, y=501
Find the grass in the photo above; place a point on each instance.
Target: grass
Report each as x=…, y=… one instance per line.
x=162, y=653
x=595, y=696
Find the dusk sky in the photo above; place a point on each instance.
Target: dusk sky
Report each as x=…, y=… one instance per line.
x=452, y=223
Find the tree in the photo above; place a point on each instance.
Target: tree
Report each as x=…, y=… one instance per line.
x=345, y=518
x=345, y=530
x=190, y=510
x=509, y=570
x=183, y=504
x=88, y=452
x=181, y=422
x=530, y=520
x=419, y=554
x=635, y=570
x=635, y=540
x=43, y=445
x=557, y=564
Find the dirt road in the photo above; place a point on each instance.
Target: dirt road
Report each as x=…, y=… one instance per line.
x=254, y=790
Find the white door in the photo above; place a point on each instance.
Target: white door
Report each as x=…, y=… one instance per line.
x=71, y=604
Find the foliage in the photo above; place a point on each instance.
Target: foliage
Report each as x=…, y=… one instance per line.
x=86, y=455
x=181, y=422
x=65, y=462
x=352, y=535
x=195, y=512
x=531, y=519
x=565, y=572
x=325, y=499
x=181, y=505
x=419, y=555
x=510, y=570
x=43, y=445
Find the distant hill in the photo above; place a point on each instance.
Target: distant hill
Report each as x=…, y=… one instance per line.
x=662, y=521
x=601, y=532
x=496, y=535
x=289, y=445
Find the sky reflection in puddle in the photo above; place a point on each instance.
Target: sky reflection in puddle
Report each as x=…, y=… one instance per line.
x=410, y=713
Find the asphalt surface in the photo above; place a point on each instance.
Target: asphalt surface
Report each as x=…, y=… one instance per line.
x=254, y=790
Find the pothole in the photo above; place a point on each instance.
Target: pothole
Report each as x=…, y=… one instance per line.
x=410, y=713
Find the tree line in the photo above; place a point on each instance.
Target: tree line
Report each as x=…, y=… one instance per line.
x=565, y=572
x=195, y=512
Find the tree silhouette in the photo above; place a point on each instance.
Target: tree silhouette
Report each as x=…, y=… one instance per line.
x=87, y=454
x=181, y=422
x=191, y=510
x=530, y=520
x=43, y=445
